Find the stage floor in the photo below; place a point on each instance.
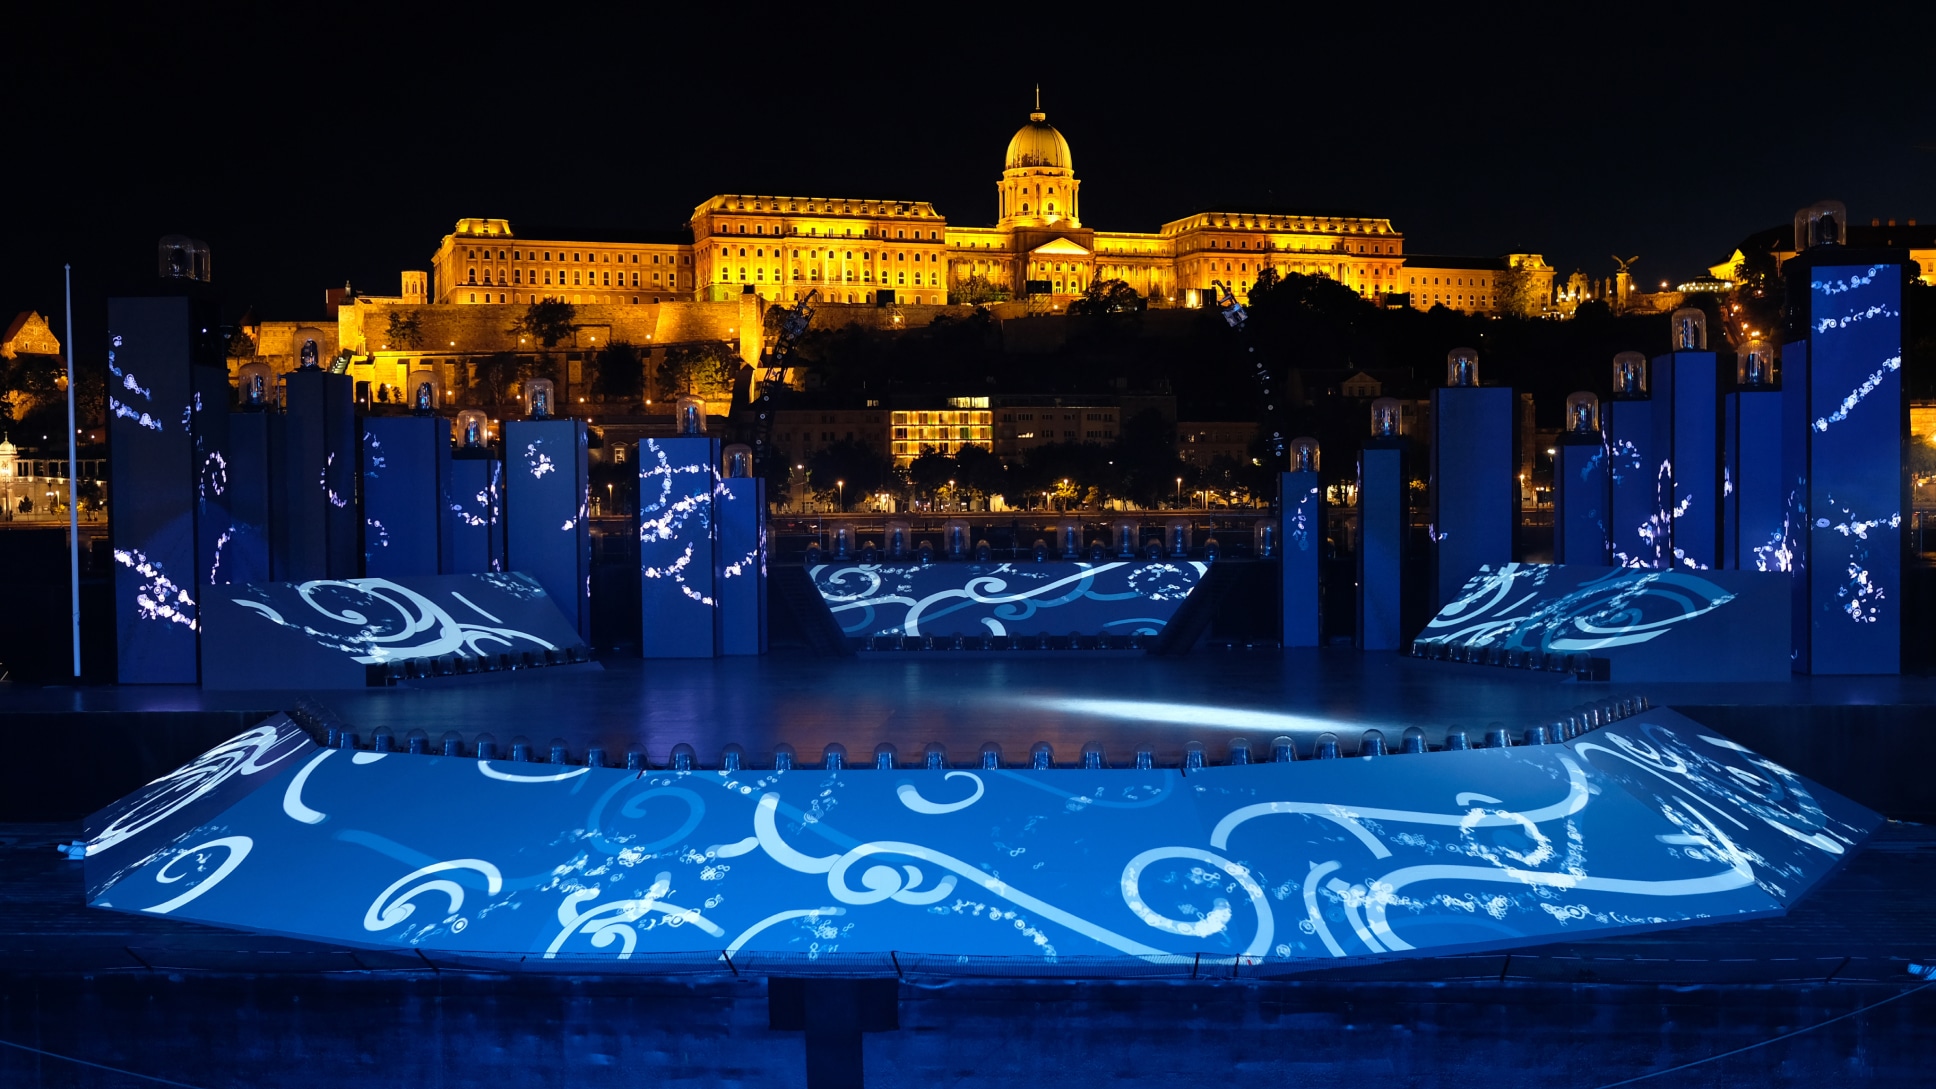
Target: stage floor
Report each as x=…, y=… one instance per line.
x=1066, y=698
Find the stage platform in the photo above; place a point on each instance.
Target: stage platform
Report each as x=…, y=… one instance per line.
x=1847, y=733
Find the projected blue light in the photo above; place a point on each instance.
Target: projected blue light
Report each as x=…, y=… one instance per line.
x=1197, y=714
x=1121, y=598
x=1646, y=824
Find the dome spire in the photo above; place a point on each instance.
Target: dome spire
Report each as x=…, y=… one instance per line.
x=1038, y=115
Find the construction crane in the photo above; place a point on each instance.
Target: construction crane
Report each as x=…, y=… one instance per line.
x=1234, y=315
x=794, y=322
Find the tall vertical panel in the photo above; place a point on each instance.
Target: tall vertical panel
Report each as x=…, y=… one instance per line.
x=401, y=482
x=546, y=500
x=1475, y=488
x=1755, y=530
x=678, y=543
x=1640, y=478
x=1301, y=496
x=1580, y=502
x=153, y=344
x=244, y=556
x=741, y=506
x=1852, y=432
x=313, y=451
x=214, y=525
x=1690, y=397
x=471, y=539
x=1381, y=546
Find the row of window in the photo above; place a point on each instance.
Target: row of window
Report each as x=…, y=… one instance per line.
x=814, y=232
x=576, y=257
x=726, y=251
x=591, y=299
x=1476, y=281
x=866, y=276
x=518, y=277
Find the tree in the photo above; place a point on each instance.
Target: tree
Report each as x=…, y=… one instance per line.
x=404, y=330
x=1104, y=297
x=1520, y=293
x=848, y=470
x=546, y=321
x=1145, y=458
x=979, y=473
x=241, y=345
x=499, y=374
x=977, y=290
x=705, y=370
x=619, y=374
x=930, y=472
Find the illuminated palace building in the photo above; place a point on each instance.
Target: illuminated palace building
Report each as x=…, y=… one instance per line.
x=871, y=251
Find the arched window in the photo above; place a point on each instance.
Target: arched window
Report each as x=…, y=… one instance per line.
x=473, y=276
x=517, y=276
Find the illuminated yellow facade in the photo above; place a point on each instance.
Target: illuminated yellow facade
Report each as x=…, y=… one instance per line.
x=855, y=250
x=967, y=421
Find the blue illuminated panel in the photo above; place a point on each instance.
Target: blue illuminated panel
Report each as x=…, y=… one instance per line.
x=1580, y=503
x=1381, y=547
x=1648, y=624
x=244, y=556
x=1301, y=544
x=473, y=516
x=678, y=547
x=1475, y=490
x=1687, y=391
x=1846, y=429
x=1652, y=822
x=401, y=459
x=313, y=516
x=546, y=499
x=1755, y=529
x=1640, y=484
x=327, y=633
x=153, y=487
x=741, y=507
x=1052, y=598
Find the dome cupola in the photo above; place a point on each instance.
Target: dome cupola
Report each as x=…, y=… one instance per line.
x=1038, y=186
x=1038, y=144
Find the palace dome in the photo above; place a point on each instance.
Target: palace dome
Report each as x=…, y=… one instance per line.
x=1038, y=144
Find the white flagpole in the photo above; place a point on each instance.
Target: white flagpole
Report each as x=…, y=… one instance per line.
x=73, y=477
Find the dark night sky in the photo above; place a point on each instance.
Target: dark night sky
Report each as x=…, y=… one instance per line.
x=344, y=147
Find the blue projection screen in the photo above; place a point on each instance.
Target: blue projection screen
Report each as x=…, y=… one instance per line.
x=1649, y=625
x=1381, y=547
x=1475, y=490
x=1580, y=503
x=473, y=516
x=546, y=499
x=1690, y=401
x=1301, y=544
x=326, y=633
x=153, y=487
x=678, y=547
x=401, y=462
x=1649, y=823
x=740, y=504
x=1051, y=598
x=244, y=555
x=1640, y=479
x=1846, y=426
x=1755, y=529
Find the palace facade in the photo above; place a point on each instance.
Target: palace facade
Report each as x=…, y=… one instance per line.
x=871, y=251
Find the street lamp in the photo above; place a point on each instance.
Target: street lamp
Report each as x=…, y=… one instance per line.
x=1179, y=491
x=840, y=495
